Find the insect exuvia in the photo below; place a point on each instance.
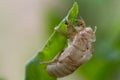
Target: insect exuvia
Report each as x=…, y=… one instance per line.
x=78, y=51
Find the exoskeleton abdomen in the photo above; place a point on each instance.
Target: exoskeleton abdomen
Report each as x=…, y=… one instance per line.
x=61, y=69
x=66, y=64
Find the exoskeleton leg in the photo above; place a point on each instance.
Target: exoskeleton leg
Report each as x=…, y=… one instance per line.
x=60, y=32
x=93, y=39
x=70, y=30
x=95, y=29
x=55, y=59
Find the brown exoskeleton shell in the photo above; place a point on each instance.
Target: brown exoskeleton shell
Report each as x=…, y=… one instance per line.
x=79, y=50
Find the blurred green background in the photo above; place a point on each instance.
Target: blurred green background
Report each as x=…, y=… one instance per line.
x=105, y=14
x=26, y=25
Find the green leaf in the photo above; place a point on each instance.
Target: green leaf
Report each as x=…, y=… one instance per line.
x=35, y=70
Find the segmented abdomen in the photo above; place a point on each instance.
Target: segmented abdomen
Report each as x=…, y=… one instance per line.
x=61, y=69
x=68, y=62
